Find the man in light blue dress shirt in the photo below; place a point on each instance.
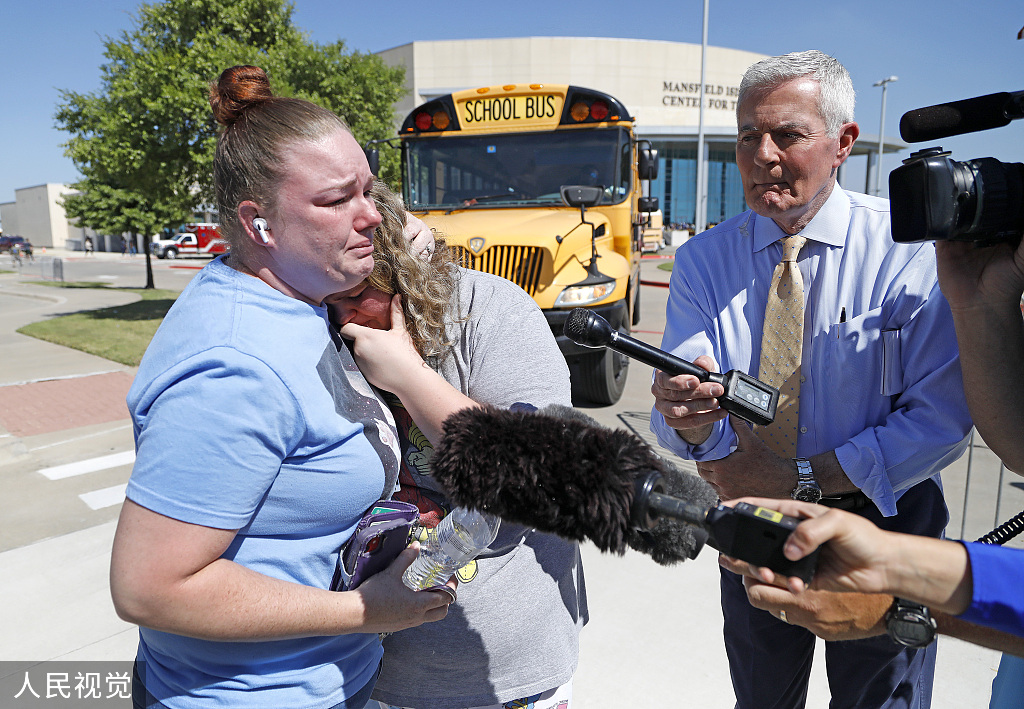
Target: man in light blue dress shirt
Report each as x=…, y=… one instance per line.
x=881, y=402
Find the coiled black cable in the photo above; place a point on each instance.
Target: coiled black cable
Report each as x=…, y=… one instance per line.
x=1006, y=531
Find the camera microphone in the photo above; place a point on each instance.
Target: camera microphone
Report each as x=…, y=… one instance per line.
x=964, y=116
x=745, y=396
x=558, y=471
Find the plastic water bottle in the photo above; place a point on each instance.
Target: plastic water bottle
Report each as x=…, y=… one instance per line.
x=460, y=537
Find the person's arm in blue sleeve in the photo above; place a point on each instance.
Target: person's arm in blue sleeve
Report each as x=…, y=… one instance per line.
x=997, y=579
x=929, y=424
x=685, y=417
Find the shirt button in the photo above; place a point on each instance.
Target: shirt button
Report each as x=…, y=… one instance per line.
x=803, y=429
x=803, y=379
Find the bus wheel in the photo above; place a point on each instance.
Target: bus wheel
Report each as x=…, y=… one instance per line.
x=600, y=377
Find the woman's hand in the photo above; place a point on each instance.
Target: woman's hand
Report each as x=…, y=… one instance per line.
x=387, y=358
x=171, y=576
x=420, y=237
x=389, y=361
x=389, y=605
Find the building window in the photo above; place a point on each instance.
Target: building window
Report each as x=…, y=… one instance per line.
x=676, y=186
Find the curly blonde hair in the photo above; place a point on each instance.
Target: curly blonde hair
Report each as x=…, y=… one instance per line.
x=428, y=288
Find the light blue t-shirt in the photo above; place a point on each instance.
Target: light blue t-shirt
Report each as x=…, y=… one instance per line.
x=882, y=385
x=247, y=418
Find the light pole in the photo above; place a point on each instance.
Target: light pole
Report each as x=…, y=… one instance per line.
x=881, y=135
x=700, y=217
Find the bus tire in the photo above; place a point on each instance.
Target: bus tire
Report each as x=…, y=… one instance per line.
x=600, y=378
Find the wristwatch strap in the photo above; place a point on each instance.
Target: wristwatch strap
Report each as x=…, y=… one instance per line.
x=807, y=487
x=909, y=624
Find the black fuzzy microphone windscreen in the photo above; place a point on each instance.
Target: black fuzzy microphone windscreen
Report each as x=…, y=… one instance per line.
x=559, y=471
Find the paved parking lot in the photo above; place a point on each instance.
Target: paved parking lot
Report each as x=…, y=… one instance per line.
x=655, y=632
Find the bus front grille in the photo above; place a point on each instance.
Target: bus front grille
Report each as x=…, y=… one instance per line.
x=519, y=264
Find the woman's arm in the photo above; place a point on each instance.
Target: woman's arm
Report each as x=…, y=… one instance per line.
x=169, y=575
x=389, y=361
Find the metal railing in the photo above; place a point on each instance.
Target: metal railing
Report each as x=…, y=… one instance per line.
x=1001, y=485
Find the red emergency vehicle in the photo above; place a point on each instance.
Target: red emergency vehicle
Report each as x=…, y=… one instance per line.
x=200, y=239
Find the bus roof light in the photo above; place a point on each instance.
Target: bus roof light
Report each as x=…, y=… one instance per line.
x=441, y=120
x=580, y=111
x=599, y=110
x=423, y=120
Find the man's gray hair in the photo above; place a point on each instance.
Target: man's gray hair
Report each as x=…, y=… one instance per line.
x=836, y=96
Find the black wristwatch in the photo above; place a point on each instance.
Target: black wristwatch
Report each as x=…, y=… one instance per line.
x=806, y=489
x=909, y=624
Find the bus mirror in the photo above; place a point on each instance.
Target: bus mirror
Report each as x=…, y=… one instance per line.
x=373, y=157
x=648, y=204
x=648, y=164
x=581, y=195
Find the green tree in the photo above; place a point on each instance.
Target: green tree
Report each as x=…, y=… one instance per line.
x=144, y=142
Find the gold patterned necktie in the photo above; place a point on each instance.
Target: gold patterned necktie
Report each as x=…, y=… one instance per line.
x=781, y=346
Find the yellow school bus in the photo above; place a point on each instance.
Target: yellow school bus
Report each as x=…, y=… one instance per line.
x=540, y=184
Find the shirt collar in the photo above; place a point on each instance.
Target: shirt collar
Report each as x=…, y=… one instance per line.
x=828, y=226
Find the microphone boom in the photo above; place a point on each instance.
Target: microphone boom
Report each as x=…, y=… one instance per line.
x=965, y=116
x=560, y=472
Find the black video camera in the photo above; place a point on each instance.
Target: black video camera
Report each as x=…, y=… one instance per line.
x=934, y=198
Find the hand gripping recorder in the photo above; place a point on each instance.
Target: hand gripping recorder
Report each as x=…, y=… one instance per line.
x=753, y=534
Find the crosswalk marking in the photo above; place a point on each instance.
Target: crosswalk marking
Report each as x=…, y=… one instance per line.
x=81, y=467
x=107, y=497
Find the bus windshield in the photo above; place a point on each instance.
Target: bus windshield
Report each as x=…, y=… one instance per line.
x=515, y=169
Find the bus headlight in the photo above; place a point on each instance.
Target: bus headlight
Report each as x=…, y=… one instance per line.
x=575, y=296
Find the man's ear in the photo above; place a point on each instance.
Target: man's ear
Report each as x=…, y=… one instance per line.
x=848, y=135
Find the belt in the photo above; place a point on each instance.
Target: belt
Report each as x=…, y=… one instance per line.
x=850, y=501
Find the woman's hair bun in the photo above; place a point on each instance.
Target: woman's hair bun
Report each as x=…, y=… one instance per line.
x=237, y=89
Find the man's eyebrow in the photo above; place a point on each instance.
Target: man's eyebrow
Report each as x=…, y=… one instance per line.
x=792, y=125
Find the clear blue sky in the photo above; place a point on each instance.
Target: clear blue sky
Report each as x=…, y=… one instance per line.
x=941, y=50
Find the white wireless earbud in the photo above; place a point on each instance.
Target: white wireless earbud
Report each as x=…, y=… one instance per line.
x=260, y=225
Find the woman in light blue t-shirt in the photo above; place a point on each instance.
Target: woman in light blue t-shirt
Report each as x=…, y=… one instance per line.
x=259, y=444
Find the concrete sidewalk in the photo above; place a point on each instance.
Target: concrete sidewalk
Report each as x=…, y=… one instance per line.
x=655, y=633
x=57, y=405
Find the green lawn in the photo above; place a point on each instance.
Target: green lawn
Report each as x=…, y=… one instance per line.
x=120, y=333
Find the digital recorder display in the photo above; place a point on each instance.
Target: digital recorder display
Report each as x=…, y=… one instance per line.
x=754, y=396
